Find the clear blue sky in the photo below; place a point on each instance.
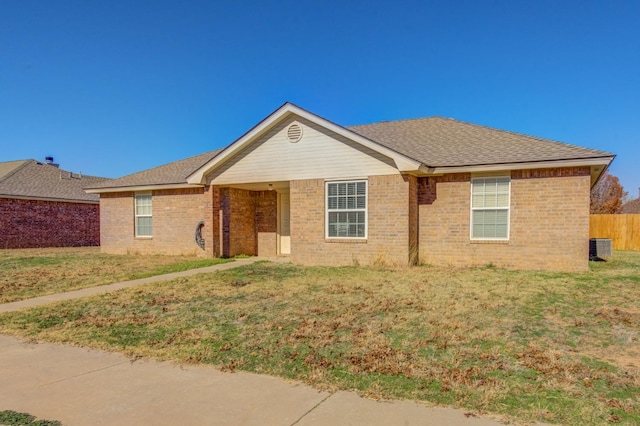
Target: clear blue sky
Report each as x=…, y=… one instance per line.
x=113, y=87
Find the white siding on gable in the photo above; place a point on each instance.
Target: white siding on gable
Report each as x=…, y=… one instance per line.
x=319, y=154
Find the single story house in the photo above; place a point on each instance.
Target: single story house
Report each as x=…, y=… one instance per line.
x=42, y=205
x=429, y=190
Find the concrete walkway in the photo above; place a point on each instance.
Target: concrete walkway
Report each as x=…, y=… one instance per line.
x=77, y=294
x=79, y=386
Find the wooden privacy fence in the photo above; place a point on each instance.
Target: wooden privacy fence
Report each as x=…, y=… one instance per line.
x=622, y=229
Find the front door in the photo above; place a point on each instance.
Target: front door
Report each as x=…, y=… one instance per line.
x=284, y=223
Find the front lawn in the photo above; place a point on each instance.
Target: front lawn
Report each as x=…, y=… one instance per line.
x=27, y=273
x=530, y=346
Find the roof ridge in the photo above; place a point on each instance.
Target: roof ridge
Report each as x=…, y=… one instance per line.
x=17, y=169
x=16, y=161
x=82, y=175
x=398, y=121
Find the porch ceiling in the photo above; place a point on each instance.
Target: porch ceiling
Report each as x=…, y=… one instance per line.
x=260, y=186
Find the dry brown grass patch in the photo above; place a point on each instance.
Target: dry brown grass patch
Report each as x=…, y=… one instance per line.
x=525, y=344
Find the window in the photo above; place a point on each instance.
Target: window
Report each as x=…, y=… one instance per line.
x=347, y=209
x=143, y=215
x=490, y=208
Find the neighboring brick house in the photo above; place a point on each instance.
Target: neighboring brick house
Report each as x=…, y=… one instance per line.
x=431, y=190
x=42, y=205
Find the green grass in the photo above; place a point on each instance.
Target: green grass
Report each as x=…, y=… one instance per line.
x=14, y=418
x=529, y=346
x=38, y=272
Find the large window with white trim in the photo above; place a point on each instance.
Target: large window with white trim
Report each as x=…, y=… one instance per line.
x=490, y=200
x=346, y=209
x=144, y=218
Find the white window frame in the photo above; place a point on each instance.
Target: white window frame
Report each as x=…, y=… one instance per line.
x=138, y=215
x=507, y=208
x=328, y=210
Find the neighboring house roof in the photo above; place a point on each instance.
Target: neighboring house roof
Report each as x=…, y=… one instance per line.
x=168, y=174
x=631, y=207
x=424, y=146
x=9, y=166
x=31, y=179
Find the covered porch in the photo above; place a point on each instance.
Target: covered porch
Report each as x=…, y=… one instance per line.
x=251, y=219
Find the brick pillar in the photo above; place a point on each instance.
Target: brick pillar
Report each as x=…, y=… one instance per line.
x=225, y=216
x=414, y=250
x=211, y=221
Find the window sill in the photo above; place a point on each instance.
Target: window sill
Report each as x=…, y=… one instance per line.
x=143, y=238
x=346, y=240
x=490, y=241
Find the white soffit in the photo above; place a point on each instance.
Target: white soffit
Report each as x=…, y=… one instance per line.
x=603, y=161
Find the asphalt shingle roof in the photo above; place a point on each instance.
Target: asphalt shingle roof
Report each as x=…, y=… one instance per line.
x=171, y=173
x=433, y=141
x=445, y=142
x=33, y=179
x=9, y=166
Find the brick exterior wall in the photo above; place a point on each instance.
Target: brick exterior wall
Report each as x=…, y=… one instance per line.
x=236, y=222
x=266, y=222
x=176, y=212
x=35, y=223
x=249, y=222
x=389, y=217
x=549, y=221
x=410, y=219
x=210, y=231
x=414, y=222
x=239, y=211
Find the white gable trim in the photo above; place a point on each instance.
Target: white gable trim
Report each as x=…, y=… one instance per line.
x=402, y=162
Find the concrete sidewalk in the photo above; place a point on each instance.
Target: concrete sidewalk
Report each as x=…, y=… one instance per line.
x=78, y=386
x=77, y=294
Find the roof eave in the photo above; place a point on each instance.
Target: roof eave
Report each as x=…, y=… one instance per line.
x=137, y=188
x=574, y=162
x=403, y=163
x=57, y=200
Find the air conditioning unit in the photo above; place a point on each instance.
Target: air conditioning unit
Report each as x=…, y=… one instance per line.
x=600, y=248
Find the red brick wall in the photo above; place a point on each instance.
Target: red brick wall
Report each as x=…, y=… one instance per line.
x=414, y=220
x=116, y=222
x=249, y=222
x=176, y=212
x=389, y=212
x=211, y=229
x=31, y=223
x=549, y=221
x=239, y=222
x=266, y=222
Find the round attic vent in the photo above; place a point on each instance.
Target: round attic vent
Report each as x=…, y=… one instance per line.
x=294, y=133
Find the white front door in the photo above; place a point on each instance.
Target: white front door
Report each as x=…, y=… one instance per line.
x=284, y=223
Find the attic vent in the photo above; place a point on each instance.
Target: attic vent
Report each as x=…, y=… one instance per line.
x=294, y=133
